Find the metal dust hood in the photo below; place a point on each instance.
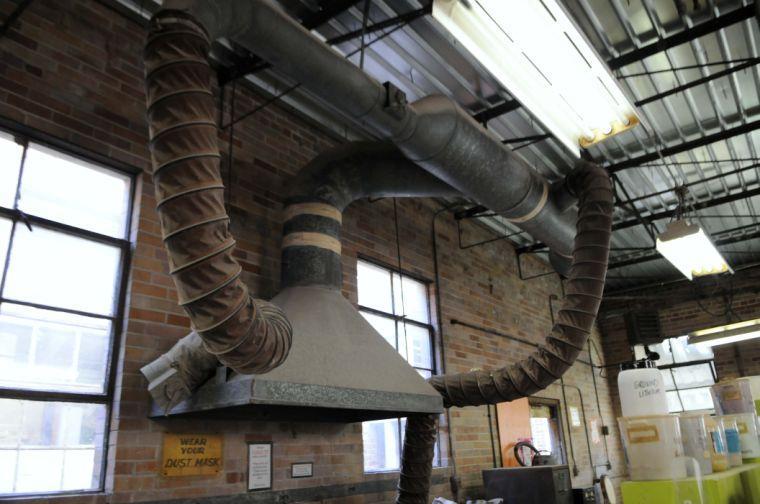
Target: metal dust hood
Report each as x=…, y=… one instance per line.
x=339, y=369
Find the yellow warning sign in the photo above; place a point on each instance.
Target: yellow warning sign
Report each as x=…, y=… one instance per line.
x=191, y=454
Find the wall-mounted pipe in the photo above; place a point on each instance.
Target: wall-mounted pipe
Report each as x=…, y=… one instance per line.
x=433, y=132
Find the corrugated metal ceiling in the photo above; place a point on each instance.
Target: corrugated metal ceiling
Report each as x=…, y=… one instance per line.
x=421, y=59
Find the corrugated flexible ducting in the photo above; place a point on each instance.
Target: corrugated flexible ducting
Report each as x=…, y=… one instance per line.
x=585, y=286
x=248, y=335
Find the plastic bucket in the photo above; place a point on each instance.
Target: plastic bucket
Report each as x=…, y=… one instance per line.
x=733, y=397
x=746, y=424
x=696, y=440
x=733, y=441
x=652, y=444
x=718, y=447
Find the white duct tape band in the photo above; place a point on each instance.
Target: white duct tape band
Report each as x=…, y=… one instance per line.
x=321, y=209
x=320, y=240
x=541, y=204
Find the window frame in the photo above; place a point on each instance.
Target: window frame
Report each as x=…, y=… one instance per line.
x=25, y=136
x=676, y=365
x=401, y=319
x=556, y=406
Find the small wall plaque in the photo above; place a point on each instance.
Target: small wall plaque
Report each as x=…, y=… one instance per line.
x=259, y=466
x=302, y=470
x=191, y=454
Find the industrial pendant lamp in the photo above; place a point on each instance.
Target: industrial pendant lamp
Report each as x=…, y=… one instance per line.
x=687, y=246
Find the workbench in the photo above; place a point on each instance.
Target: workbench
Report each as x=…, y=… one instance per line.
x=738, y=485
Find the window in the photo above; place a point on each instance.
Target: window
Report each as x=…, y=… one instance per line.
x=688, y=372
x=63, y=250
x=545, y=430
x=398, y=307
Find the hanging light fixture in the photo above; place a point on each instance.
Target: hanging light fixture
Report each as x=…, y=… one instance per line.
x=689, y=249
x=726, y=334
x=539, y=55
x=687, y=246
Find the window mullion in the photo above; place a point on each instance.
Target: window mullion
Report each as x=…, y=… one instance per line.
x=6, y=264
x=25, y=143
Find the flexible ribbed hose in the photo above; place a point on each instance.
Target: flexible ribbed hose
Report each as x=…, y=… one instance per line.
x=585, y=286
x=246, y=334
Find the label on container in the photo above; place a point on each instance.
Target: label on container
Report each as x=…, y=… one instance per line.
x=732, y=440
x=647, y=388
x=719, y=446
x=717, y=442
x=730, y=393
x=643, y=434
x=742, y=427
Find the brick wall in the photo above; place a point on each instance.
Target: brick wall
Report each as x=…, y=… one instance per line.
x=72, y=70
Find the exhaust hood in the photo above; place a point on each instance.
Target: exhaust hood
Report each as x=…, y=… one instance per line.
x=339, y=369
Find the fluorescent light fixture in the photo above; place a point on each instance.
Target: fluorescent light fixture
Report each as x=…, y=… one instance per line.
x=689, y=249
x=723, y=335
x=538, y=54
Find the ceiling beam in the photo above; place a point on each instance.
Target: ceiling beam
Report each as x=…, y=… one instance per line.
x=683, y=37
x=699, y=205
x=697, y=82
x=498, y=110
x=405, y=18
x=685, y=146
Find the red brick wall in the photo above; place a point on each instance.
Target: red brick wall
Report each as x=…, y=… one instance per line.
x=73, y=71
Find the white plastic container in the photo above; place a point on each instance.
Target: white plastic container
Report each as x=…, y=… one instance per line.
x=746, y=424
x=719, y=450
x=733, y=440
x=732, y=397
x=653, y=447
x=642, y=390
x=697, y=443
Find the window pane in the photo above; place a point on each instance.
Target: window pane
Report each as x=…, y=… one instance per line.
x=47, y=350
x=385, y=326
x=693, y=376
x=414, y=295
x=683, y=352
x=50, y=446
x=52, y=268
x=425, y=373
x=664, y=350
x=696, y=399
x=381, y=445
x=418, y=346
x=10, y=162
x=674, y=404
x=667, y=379
x=374, y=287
x=69, y=190
x=5, y=236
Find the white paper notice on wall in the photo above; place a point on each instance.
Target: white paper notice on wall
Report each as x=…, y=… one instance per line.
x=575, y=417
x=259, y=466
